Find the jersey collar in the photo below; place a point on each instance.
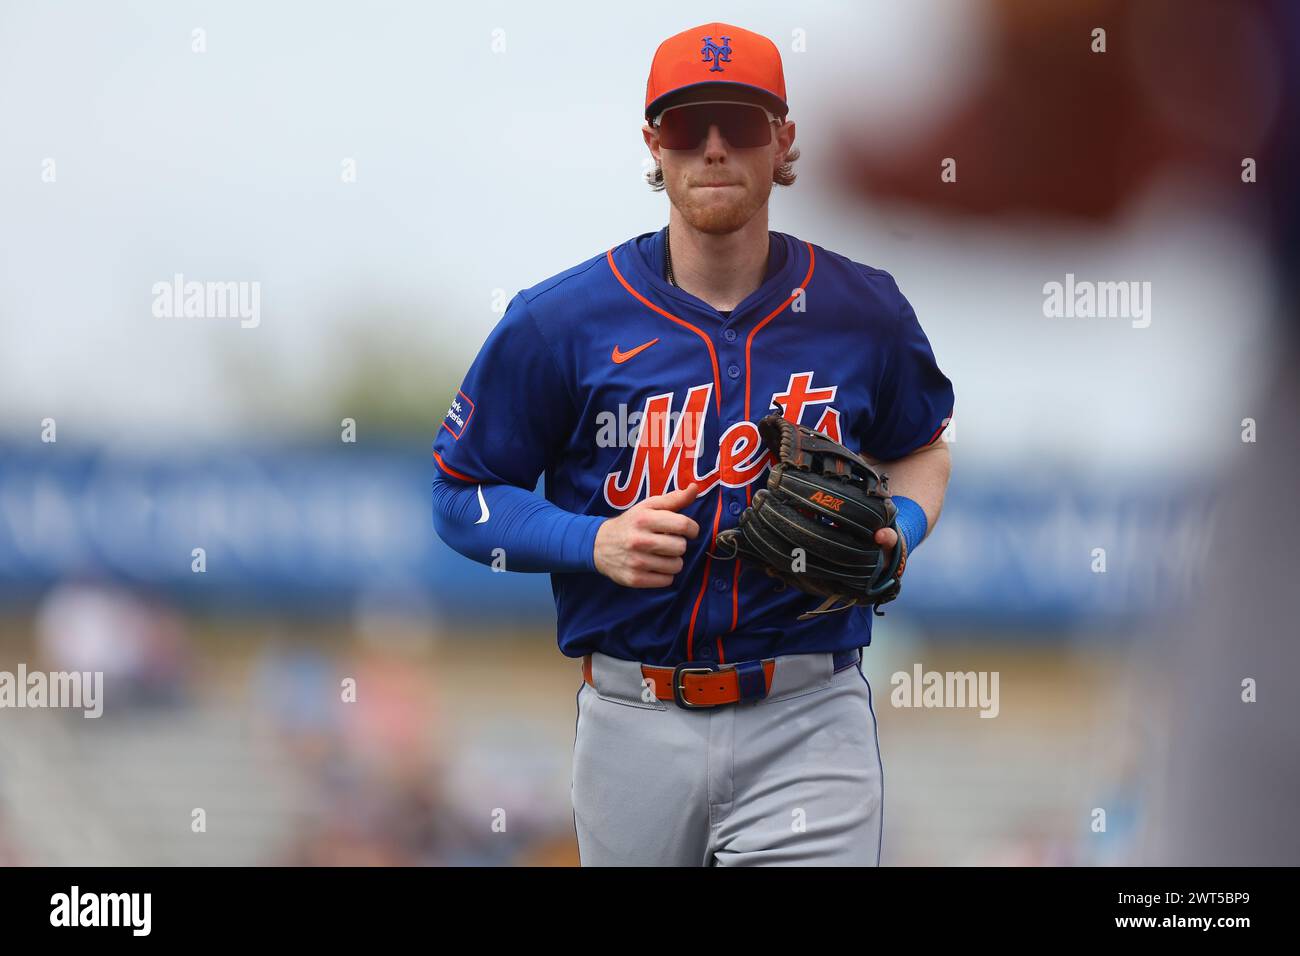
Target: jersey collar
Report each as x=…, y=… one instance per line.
x=646, y=255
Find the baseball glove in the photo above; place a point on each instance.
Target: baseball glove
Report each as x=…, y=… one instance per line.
x=813, y=527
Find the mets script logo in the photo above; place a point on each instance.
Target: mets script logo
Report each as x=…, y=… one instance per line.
x=667, y=450
x=717, y=55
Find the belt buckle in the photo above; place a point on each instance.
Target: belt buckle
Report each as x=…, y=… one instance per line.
x=681, y=670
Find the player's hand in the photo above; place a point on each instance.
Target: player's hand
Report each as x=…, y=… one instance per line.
x=643, y=547
x=887, y=538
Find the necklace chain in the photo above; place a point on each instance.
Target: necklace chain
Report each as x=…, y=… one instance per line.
x=668, y=259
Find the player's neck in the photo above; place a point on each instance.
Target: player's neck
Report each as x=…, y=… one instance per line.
x=719, y=269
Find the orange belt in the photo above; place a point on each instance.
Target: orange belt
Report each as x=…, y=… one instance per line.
x=693, y=686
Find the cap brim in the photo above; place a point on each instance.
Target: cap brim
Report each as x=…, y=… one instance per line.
x=715, y=90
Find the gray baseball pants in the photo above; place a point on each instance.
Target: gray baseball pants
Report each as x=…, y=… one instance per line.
x=792, y=779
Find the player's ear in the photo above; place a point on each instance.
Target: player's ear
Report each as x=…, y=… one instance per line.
x=651, y=136
x=784, y=139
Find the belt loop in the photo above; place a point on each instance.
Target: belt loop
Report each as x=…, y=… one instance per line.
x=841, y=660
x=751, y=680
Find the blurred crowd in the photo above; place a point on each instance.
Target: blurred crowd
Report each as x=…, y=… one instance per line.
x=346, y=748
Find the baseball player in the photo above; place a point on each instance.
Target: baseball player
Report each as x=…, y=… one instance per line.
x=723, y=717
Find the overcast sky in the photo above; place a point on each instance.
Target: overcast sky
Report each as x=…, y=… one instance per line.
x=481, y=170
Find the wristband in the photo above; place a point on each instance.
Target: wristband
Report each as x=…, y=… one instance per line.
x=911, y=522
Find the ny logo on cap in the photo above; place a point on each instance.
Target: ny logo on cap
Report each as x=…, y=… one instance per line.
x=717, y=55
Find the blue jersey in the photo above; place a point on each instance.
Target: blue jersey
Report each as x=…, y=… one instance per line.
x=616, y=385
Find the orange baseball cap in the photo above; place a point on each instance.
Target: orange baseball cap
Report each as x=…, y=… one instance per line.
x=716, y=59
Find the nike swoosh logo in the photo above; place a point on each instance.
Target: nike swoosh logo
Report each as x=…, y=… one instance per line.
x=620, y=357
x=482, y=503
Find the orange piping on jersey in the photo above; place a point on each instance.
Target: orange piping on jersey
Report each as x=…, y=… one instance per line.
x=708, y=562
x=935, y=437
x=717, y=400
x=713, y=356
x=735, y=607
x=749, y=341
x=779, y=309
x=452, y=471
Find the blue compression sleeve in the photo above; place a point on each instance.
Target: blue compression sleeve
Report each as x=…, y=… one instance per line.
x=911, y=522
x=532, y=533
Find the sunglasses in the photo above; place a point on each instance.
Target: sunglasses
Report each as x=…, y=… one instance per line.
x=742, y=125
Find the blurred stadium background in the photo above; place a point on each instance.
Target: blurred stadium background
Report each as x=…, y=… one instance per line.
x=495, y=145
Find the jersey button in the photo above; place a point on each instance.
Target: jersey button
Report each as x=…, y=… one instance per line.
x=720, y=584
x=735, y=507
x=733, y=371
x=729, y=335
